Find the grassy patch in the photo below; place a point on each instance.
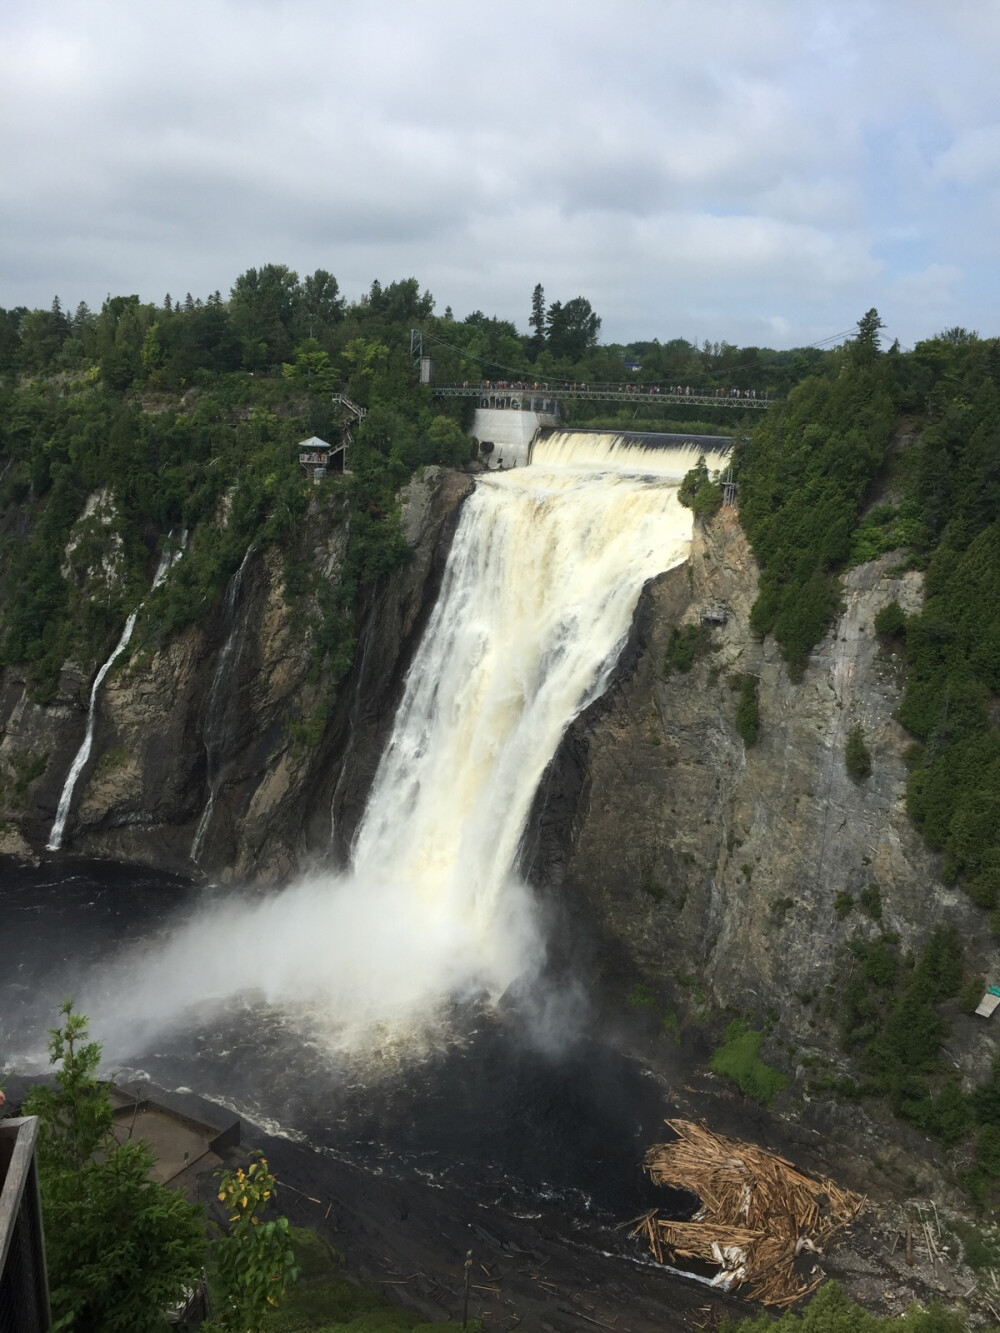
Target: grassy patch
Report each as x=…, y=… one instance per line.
x=737, y=1058
x=111, y=759
x=831, y=1311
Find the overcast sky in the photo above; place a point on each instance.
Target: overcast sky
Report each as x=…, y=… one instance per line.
x=762, y=171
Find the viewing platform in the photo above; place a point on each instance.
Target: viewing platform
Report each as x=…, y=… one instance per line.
x=545, y=398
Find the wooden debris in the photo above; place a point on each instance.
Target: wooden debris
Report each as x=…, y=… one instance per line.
x=758, y=1212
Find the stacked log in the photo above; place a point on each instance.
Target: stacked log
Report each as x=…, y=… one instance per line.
x=758, y=1212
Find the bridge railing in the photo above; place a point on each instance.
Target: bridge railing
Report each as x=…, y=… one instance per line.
x=546, y=397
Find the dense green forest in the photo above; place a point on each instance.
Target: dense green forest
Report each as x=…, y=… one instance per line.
x=898, y=454
x=182, y=408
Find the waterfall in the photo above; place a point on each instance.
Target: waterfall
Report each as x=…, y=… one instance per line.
x=537, y=601
x=216, y=709
x=54, y=843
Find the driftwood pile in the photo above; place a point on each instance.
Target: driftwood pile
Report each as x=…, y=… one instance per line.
x=757, y=1215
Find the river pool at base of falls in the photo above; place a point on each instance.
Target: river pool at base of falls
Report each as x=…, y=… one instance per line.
x=555, y=1134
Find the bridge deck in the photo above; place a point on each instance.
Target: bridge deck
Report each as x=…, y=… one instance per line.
x=545, y=397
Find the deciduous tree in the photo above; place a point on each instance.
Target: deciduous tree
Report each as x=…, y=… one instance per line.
x=254, y=1260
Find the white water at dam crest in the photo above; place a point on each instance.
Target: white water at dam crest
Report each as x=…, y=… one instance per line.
x=537, y=601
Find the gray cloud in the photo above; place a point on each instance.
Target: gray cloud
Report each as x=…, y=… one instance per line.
x=760, y=173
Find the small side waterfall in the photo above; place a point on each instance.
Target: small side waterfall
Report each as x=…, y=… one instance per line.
x=83, y=754
x=216, y=710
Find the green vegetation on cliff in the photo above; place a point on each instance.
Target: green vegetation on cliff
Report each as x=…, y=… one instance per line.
x=803, y=479
x=699, y=492
x=181, y=419
x=184, y=419
x=952, y=647
x=898, y=454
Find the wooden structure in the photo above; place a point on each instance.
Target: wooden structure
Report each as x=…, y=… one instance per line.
x=758, y=1213
x=24, y=1292
x=315, y=455
x=319, y=458
x=350, y=415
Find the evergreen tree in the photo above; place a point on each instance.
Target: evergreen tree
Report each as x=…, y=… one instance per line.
x=537, y=321
x=867, y=342
x=120, y=1248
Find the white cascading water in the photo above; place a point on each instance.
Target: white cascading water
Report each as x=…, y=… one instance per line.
x=83, y=754
x=213, y=732
x=542, y=581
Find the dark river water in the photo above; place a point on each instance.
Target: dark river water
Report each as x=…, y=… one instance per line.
x=484, y=1108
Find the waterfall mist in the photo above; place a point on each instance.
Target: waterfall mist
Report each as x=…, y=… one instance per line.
x=537, y=601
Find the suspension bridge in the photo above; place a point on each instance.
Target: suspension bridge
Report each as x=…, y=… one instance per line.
x=545, y=398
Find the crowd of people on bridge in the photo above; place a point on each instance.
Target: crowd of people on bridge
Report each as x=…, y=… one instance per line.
x=630, y=389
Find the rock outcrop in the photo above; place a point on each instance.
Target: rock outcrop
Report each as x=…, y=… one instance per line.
x=723, y=871
x=288, y=751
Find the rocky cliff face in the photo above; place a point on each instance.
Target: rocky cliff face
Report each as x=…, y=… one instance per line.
x=715, y=868
x=717, y=871
x=229, y=718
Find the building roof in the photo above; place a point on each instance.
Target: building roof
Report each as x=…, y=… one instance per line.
x=314, y=442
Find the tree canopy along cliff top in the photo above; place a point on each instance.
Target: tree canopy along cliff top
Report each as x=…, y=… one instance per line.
x=151, y=418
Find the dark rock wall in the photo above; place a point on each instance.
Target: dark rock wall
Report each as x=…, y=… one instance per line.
x=289, y=755
x=711, y=869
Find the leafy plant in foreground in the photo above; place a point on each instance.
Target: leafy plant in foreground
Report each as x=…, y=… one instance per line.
x=120, y=1248
x=255, y=1260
